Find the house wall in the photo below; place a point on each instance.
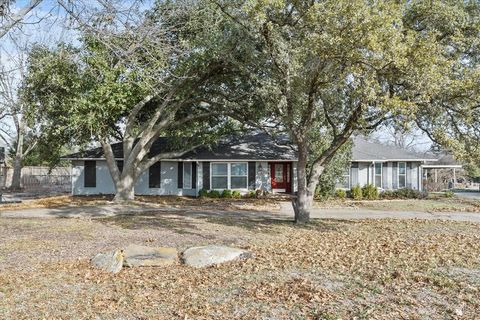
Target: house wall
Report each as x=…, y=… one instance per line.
x=104, y=183
x=168, y=180
x=366, y=174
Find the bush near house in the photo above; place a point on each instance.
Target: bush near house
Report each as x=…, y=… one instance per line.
x=214, y=194
x=405, y=193
x=236, y=194
x=203, y=193
x=340, y=194
x=356, y=192
x=370, y=192
x=227, y=194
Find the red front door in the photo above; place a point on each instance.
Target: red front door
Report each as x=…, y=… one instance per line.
x=280, y=174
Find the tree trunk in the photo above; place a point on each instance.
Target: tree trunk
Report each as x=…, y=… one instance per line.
x=304, y=200
x=125, y=190
x=17, y=173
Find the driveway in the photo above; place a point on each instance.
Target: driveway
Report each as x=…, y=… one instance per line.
x=285, y=212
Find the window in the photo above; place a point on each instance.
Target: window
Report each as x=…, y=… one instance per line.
x=238, y=176
x=219, y=176
x=402, y=175
x=229, y=176
x=154, y=175
x=187, y=175
x=344, y=181
x=378, y=174
x=90, y=174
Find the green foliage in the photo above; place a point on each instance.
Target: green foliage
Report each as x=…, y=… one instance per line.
x=251, y=194
x=203, y=193
x=227, y=194
x=356, y=192
x=405, y=193
x=370, y=192
x=340, y=194
x=214, y=194
x=449, y=194
x=236, y=194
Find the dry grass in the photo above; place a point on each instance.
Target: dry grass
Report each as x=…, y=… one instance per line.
x=326, y=270
x=262, y=204
x=418, y=205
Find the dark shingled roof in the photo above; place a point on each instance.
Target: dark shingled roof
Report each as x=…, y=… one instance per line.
x=260, y=146
x=367, y=150
x=257, y=146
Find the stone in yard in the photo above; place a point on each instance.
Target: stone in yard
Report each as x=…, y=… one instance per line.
x=209, y=255
x=142, y=256
x=109, y=262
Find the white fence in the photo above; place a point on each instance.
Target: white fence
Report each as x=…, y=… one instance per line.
x=40, y=178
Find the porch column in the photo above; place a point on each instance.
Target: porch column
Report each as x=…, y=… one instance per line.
x=454, y=178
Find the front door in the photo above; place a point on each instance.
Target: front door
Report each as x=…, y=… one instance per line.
x=280, y=173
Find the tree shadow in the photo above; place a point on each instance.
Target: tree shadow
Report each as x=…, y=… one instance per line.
x=186, y=220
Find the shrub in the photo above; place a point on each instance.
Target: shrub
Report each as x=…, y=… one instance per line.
x=324, y=191
x=236, y=194
x=227, y=194
x=370, y=192
x=449, y=194
x=251, y=194
x=214, y=194
x=203, y=193
x=356, y=192
x=405, y=193
x=340, y=194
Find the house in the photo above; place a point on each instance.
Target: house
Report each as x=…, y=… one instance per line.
x=243, y=163
x=250, y=162
x=386, y=167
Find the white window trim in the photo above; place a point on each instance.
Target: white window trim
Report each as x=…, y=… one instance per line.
x=191, y=176
x=349, y=182
x=229, y=175
x=375, y=175
x=401, y=174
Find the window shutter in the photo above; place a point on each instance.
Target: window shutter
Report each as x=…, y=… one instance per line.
x=251, y=175
x=395, y=175
x=180, y=175
x=154, y=175
x=194, y=175
x=206, y=175
x=90, y=174
x=354, y=174
x=120, y=166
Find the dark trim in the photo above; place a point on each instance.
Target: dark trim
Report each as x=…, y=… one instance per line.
x=120, y=166
x=206, y=175
x=251, y=175
x=89, y=174
x=154, y=175
x=180, y=175
x=194, y=175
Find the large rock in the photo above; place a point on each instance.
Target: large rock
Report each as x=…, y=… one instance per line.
x=138, y=256
x=209, y=255
x=109, y=262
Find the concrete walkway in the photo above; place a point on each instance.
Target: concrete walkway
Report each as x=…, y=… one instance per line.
x=358, y=213
x=285, y=212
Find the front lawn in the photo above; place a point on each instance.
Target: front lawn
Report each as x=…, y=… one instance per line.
x=327, y=270
x=437, y=204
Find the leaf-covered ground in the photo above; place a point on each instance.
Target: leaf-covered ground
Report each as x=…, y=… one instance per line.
x=327, y=270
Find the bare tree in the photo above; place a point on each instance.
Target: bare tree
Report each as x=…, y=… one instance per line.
x=9, y=19
x=13, y=111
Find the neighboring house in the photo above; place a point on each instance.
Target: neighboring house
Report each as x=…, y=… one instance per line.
x=385, y=166
x=244, y=163
x=250, y=162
